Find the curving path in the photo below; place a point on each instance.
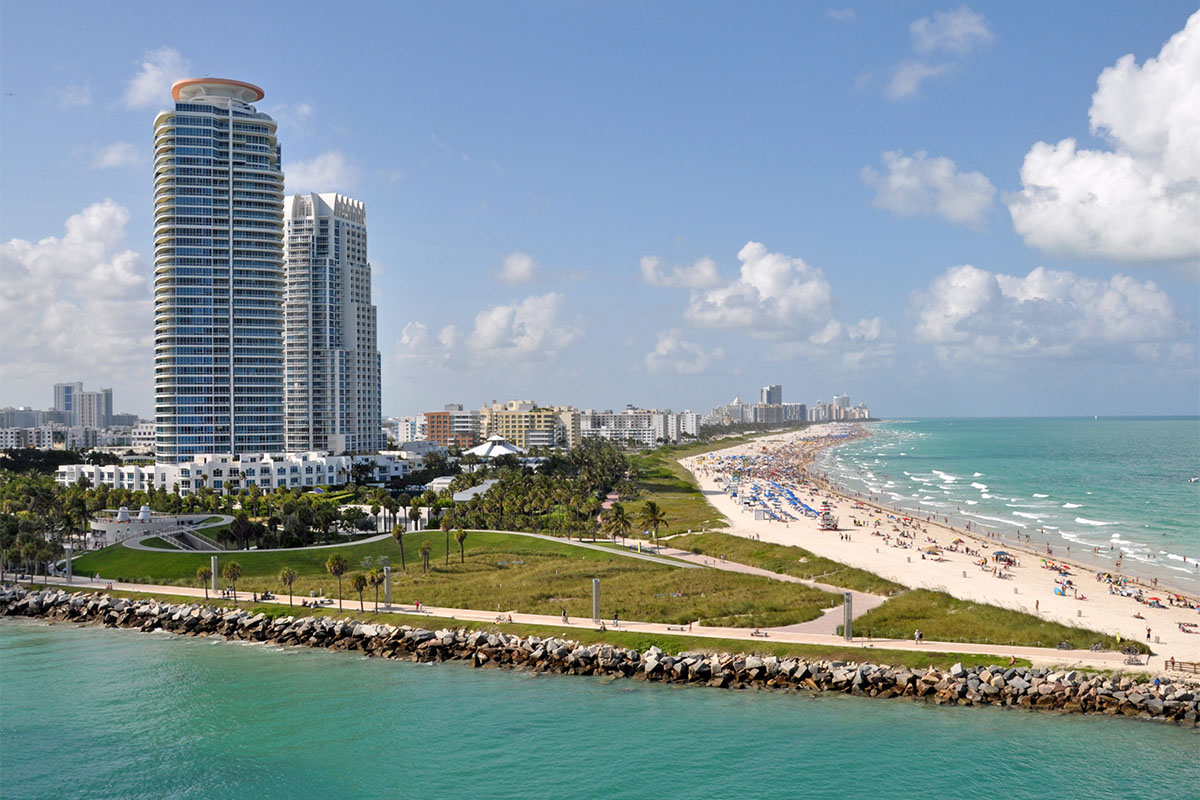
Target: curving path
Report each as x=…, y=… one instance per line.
x=1039, y=656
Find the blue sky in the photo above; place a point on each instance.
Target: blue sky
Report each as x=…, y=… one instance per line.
x=658, y=204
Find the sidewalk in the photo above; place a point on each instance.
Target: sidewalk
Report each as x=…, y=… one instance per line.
x=1078, y=659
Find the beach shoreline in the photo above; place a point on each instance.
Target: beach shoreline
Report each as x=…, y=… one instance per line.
x=1030, y=589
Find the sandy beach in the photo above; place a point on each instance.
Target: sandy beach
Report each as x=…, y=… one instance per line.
x=876, y=545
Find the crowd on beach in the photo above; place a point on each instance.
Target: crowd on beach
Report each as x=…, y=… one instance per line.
x=774, y=479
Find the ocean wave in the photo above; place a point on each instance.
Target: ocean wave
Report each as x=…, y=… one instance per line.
x=972, y=502
x=1072, y=505
x=1026, y=516
x=1040, y=495
x=980, y=486
x=977, y=475
x=1098, y=523
x=948, y=478
x=991, y=519
x=986, y=496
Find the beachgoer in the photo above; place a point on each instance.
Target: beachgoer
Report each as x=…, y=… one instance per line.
x=564, y=616
x=1147, y=634
x=917, y=636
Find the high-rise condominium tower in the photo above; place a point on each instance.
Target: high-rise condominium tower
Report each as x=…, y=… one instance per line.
x=218, y=273
x=332, y=359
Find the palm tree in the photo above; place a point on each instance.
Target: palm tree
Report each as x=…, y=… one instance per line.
x=375, y=578
x=616, y=522
x=204, y=575
x=336, y=565
x=414, y=512
x=398, y=535
x=231, y=573
x=360, y=585
x=460, y=536
x=652, y=517
x=425, y=550
x=287, y=576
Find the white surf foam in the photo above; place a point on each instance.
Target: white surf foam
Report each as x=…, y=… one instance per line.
x=1040, y=495
x=980, y=486
x=1026, y=516
x=1098, y=523
x=1072, y=505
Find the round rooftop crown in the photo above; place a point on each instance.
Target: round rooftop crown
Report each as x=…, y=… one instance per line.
x=194, y=88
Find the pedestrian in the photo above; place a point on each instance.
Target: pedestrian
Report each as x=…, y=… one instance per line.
x=1037, y=606
x=1147, y=634
x=564, y=616
x=616, y=622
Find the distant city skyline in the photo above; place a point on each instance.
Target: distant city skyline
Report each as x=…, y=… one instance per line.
x=945, y=209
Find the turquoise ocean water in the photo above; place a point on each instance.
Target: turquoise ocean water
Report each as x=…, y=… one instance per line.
x=99, y=713
x=1120, y=485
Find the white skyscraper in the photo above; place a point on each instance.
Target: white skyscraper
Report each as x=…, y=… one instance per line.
x=332, y=358
x=218, y=273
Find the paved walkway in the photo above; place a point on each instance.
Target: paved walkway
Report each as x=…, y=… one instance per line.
x=1078, y=659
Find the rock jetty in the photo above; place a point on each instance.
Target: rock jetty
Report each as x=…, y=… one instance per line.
x=1069, y=691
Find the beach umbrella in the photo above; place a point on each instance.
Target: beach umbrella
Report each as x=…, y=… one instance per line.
x=999, y=553
x=958, y=541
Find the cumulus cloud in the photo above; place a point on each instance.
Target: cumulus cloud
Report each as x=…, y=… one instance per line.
x=959, y=32
x=940, y=43
x=74, y=96
x=1139, y=201
x=69, y=304
x=969, y=314
x=329, y=172
x=866, y=343
x=908, y=76
x=918, y=184
x=117, y=154
x=525, y=330
x=150, y=86
x=774, y=294
x=673, y=354
x=295, y=117
x=700, y=275
x=518, y=268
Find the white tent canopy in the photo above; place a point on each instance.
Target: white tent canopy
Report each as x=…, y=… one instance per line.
x=494, y=447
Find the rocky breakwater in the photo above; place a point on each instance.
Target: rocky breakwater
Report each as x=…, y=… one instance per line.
x=1037, y=689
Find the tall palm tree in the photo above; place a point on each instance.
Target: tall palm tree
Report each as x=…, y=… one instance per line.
x=617, y=522
x=204, y=575
x=414, y=511
x=360, y=585
x=336, y=566
x=460, y=536
x=375, y=578
x=398, y=535
x=287, y=576
x=653, y=518
x=231, y=573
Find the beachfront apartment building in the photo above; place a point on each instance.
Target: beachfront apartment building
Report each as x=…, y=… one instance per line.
x=526, y=424
x=771, y=395
x=228, y=474
x=643, y=427
x=331, y=357
x=218, y=274
x=453, y=427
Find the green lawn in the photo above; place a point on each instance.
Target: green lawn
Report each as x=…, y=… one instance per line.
x=787, y=560
x=669, y=643
x=947, y=619
x=509, y=573
x=674, y=489
x=154, y=541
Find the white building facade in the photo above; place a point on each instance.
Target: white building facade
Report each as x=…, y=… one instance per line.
x=218, y=274
x=332, y=363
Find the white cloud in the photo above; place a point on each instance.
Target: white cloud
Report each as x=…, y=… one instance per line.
x=294, y=117
x=866, y=343
x=774, y=295
x=700, y=275
x=959, y=32
x=329, y=172
x=970, y=315
x=947, y=36
x=1139, y=201
x=518, y=268
x=117, y=154
x=673, y=354
x=524, y=329
x=77, y=305
x=908, y=76
x=528, y=330
x=75, y=96
x=150, y=86
x=918, y=184
x=840, y=14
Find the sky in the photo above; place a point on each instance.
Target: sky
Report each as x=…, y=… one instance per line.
x=939, y=209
